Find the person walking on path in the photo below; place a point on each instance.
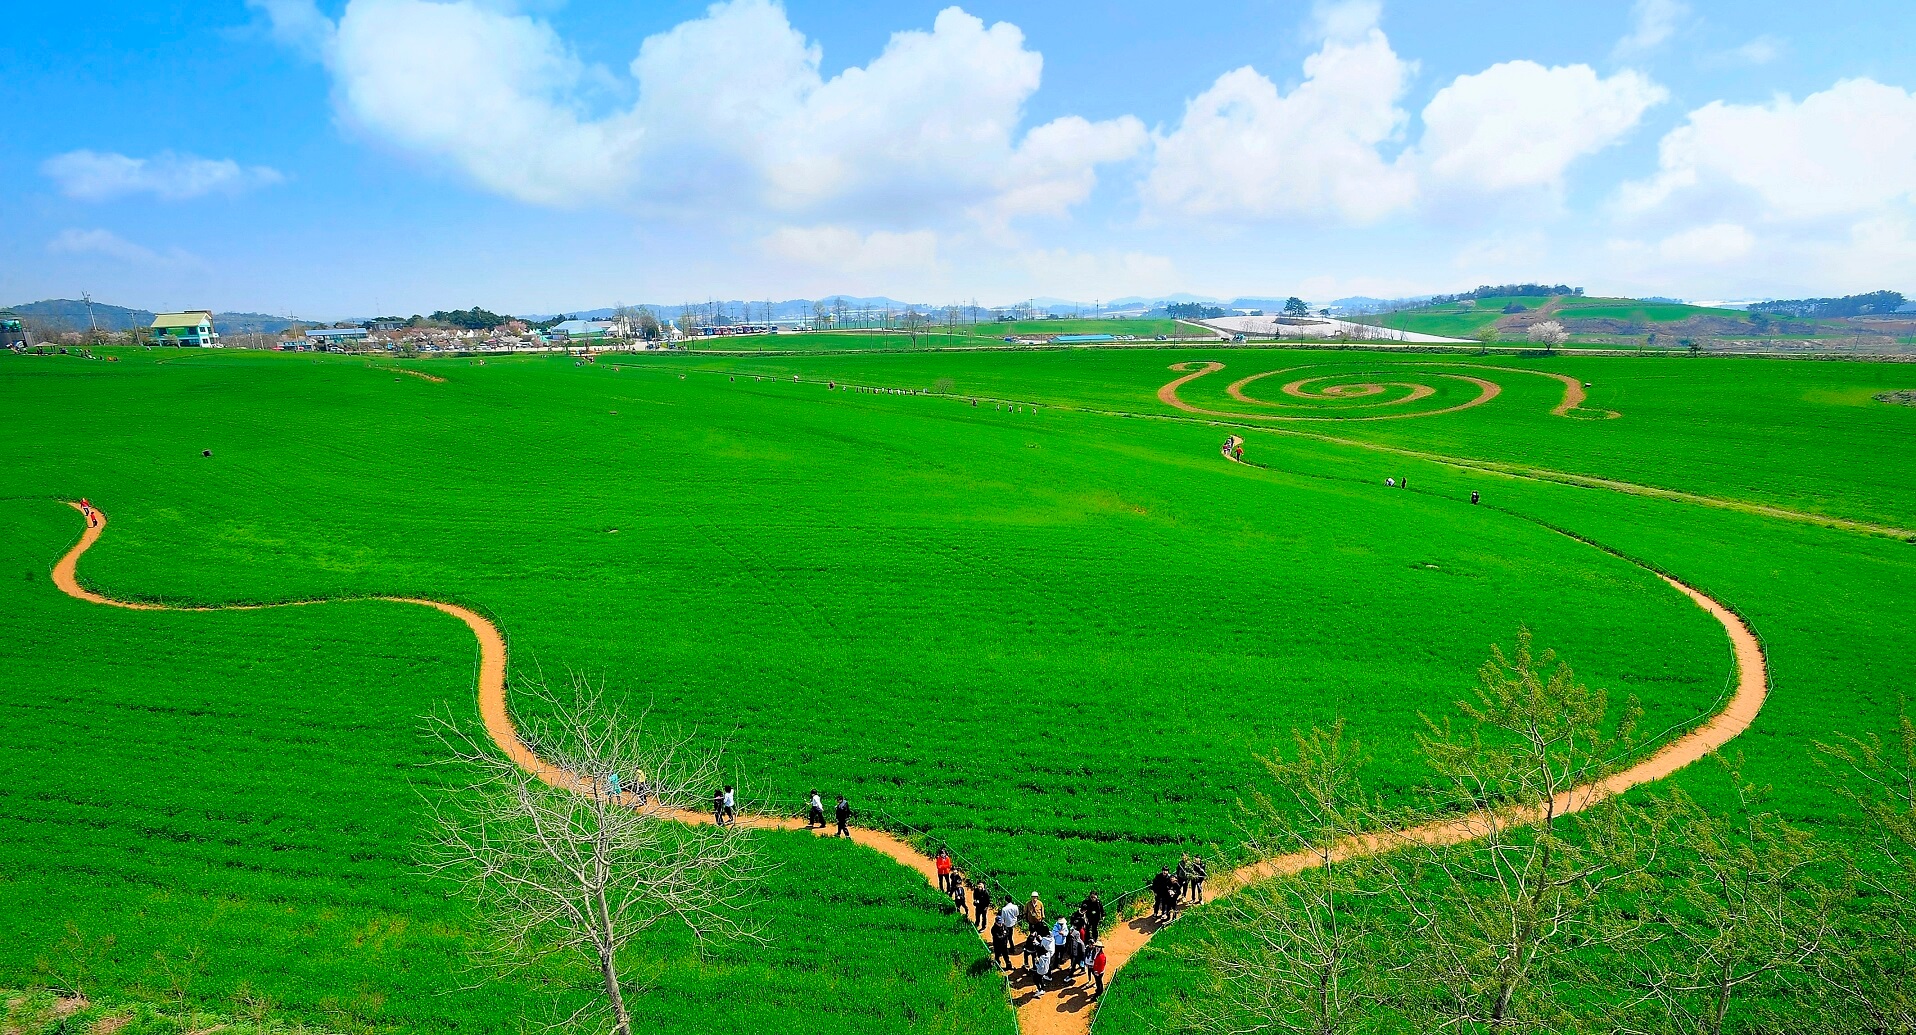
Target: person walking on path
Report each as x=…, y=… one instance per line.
x=958, y=892
x=1097, y=969
x=1196, y=876
x=1001, y=929
x=1181, y=878
x=718, y=806
x=612, y=788
x=86, y=509
x=1161, y=886
x=1041, y=968
x=816, y=820
x=731, y=804
x=844, y=814
x=980, y=904
x=1093, y=914
x=943, y=863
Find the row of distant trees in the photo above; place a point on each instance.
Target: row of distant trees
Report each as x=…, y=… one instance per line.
x=1874, y=302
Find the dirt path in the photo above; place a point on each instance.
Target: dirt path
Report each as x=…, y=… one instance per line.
x=1065, y=1011
x=416, y=373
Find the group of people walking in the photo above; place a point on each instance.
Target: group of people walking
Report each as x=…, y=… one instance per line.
x=815, y=814
x=1062, y=950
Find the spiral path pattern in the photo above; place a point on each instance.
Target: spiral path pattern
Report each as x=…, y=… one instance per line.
x=1341, y=391
x=1071, y=1011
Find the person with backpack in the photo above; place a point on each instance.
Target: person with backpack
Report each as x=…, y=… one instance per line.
x=942, y=863
x=958, y=891
x=1001, y=930
x=816, y=820
x=844, y=815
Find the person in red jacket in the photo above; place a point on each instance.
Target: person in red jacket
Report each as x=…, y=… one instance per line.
x=943, y=862
x=1097, y=969
x=86, y=507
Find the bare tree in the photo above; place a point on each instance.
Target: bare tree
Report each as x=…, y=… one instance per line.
x=577, y=842
x=1497, y=900
x=1291, y=953
x=819, y=315
x=1739, y=912
x=1877, y=971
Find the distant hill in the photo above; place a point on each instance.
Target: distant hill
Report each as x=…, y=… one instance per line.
x=67, y=314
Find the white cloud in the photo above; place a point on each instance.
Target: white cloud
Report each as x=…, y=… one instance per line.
x=1652, y=23
x=1519, y=124
x=838, y=249
x=110, y=245
x=1244, y=149
x=1847, y=151
x=297, y=24
x=1707, y=245
x=103, y=176
x=731, y=112
x=1759, y=51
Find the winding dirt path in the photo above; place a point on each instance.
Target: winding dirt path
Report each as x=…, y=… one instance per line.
x=1068, y=1011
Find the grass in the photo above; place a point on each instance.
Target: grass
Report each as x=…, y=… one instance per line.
x=1051, y=639
x=223, y=809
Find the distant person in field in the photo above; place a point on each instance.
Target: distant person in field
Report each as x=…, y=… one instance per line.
x=1093, y=914
x=1161, y=891
x=844, y=814
x=731, y=804
x=1097, y=969
x=959, y=893
x=86, y=508
x=1181, y=877
x=612, y=788
x=1196, y=877
x=718, y=806
x=1473, y=499
x=942, y=862
x=816, y=819
x=980, y=904
x=1390, y=482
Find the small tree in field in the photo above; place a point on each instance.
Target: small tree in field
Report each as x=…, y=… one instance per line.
x=1290, y=953
x=577, y=848
x=1497, y=900
x=1549, y=334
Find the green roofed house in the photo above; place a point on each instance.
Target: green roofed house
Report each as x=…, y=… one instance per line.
x=13, y=332
x=192, y=328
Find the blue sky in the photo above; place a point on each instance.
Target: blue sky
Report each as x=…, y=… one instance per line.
x=347, y=156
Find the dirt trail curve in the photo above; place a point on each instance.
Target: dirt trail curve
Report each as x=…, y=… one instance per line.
x=1069, y=1011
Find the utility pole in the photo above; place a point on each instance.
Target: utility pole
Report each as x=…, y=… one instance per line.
x=91, y=325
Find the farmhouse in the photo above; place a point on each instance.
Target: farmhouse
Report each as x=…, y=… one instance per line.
x=191, y=328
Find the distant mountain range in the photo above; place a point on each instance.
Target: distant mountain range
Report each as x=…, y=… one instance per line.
x=67, y=314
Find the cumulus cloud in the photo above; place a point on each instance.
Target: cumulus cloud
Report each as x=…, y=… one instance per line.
x=104, y=176
x=1652, y=23
x=1246, y=149
x=1519, y=124
x=1847, y=151
x=730, y=107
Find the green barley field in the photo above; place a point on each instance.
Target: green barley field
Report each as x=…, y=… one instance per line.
x=1027, y=612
